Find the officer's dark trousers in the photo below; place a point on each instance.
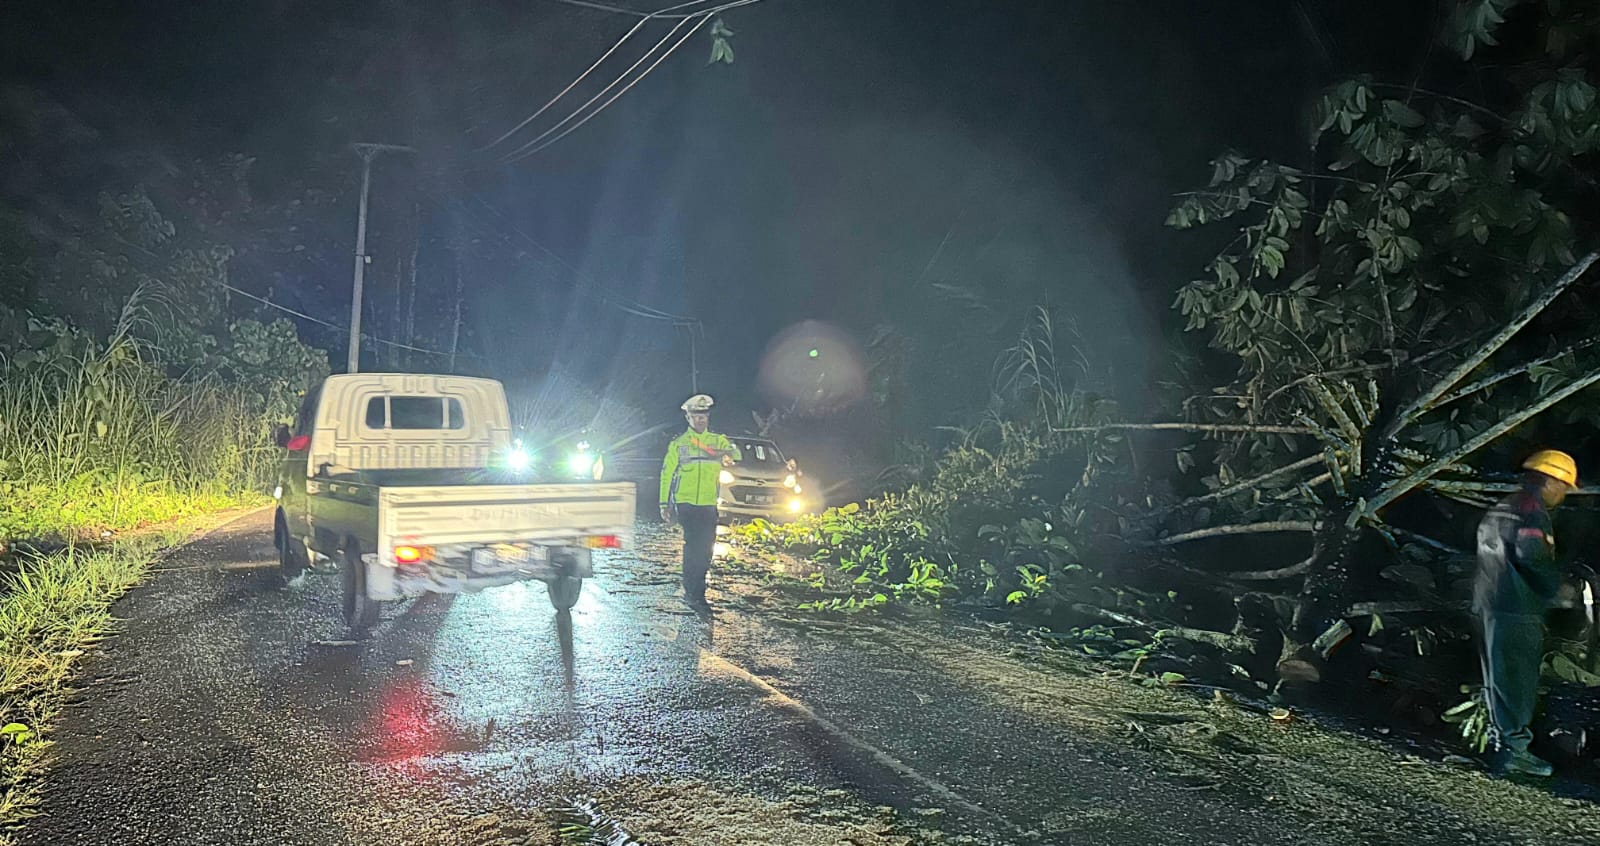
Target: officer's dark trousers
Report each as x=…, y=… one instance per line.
x=1511, y=647
x=699, y=537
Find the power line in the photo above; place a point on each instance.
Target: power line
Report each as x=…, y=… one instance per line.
x=300, y=314
x=283, y=308
x=519, y=155
x=598, y=94
x=635, y=308
x=573, y=84
x=644, y=18
x=660, y=15
x=534, y=146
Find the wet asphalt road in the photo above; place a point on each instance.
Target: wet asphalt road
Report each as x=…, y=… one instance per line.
x=232, y=710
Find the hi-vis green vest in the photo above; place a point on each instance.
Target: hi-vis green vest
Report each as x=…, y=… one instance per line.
x=693, y=462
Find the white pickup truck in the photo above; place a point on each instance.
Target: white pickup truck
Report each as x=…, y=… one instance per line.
x=411, y=484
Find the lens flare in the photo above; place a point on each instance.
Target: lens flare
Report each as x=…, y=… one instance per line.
x=815, y=366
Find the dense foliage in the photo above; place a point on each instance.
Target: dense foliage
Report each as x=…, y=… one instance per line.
x=127, y=394
x=1392, y=314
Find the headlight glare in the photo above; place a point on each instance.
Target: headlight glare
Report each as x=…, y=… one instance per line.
x=580, y=463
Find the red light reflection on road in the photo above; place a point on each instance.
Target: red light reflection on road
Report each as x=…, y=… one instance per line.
x=413, y=722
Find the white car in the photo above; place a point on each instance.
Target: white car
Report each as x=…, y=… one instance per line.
x=765, y=484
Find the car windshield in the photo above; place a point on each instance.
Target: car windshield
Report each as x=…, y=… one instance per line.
x=760, y=454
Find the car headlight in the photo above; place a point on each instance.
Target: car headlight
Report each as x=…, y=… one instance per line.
x=790, y=481
x=517, y=459
x=724, y=478
x=581, y=464
x=796, y=505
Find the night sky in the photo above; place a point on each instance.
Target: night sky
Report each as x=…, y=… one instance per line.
x=935, y=165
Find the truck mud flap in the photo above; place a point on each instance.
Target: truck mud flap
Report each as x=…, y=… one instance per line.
x=572, y=562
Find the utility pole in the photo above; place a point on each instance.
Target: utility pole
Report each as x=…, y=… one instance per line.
x=458, y=249
x=366, y=152
x=694, y=358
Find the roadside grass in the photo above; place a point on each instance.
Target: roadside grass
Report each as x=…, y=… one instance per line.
x=96, y=440
x=53, y=607
x=89, y=510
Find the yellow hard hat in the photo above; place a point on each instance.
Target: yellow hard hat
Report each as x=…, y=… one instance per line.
x=1555, y=464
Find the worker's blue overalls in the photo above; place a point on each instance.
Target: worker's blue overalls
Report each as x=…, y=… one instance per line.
x=1516, y=585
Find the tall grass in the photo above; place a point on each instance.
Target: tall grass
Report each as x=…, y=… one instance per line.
x=51, y=609
x=94, y=439
x=97, y=439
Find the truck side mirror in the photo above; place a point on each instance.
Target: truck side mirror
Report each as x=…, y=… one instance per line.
x=280, y=436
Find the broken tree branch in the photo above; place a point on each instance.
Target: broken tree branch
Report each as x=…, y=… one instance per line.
x=1425, y=400
x=1238, y=529
x=1270, y=575
x=1306, y=485
x=1400, y=488
x=1187, y=427
x=1239, y=487
x=1341, y=418
x=1500, y=487
x=1480, y=503
x=1362, y=368
x=1503, y=375
x=1417, y=537
x=1221, y=640
x=1365, y=609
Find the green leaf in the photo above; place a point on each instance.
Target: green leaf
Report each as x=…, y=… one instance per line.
x=1402, y=114
x=1015, y=597
x=1568, y=670
x=1172, y=678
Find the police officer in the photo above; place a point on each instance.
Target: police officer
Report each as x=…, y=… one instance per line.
x=690, y=476
x=1516, y=585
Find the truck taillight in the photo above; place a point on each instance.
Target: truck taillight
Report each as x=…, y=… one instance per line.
x=603, y=542
x=412, y=554
x=298, y=443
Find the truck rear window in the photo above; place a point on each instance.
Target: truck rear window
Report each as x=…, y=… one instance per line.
x=414, y=413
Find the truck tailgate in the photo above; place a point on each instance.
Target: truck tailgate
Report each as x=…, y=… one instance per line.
x=473, y=514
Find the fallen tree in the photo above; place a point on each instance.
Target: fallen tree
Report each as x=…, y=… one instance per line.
x=1359, y=299
x=1407, y=319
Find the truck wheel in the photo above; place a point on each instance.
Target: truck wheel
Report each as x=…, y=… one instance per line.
x=564, y=592
x=360, y=612
x=293, y=559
